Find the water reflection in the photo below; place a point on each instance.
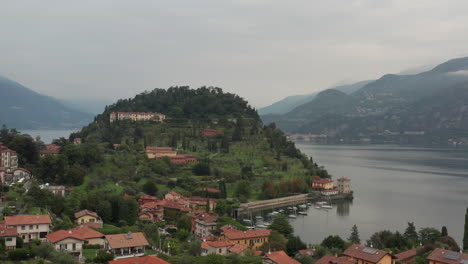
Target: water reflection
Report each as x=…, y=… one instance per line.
x=343, y=208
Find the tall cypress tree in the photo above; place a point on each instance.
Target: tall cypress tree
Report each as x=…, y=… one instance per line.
x=354, y=237
x=465, y=236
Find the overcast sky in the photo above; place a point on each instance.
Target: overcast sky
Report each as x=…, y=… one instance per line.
x=262, y=50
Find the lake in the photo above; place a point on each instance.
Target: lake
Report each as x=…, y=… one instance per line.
x=48, y=135
x=393, y=185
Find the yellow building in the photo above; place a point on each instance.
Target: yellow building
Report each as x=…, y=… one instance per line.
x=85, y=216
x=360, y=254
x=322, y=184
x=253, y=239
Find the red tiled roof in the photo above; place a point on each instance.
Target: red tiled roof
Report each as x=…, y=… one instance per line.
x=51, y=149
x=127, y=240
x=322, y=180
x=280, y=257
x=406, y=254
x=63, y=234
x=308, y=251
x=344, y=179
x=238, y=248
x=211, y=190
x=440, y=255
x=87, y=232
x=21, y=169
x=140, y=260
x=7, y=232
x=93, y=224
x=357, y=251
x=329, y=259
x=85, y=212
x=220, y=243
x=27, y=220
x=237, y=234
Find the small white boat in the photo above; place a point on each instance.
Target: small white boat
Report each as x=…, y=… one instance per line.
x=290, y=208
x=318, y=207
x=292, y=216
x=247, y=221
x=302, y=206
x=281, y=211
x=302, y=213
x=294, y=208
x=261, y=226
x=274, y=213
x=309, y=204
x=258, y=217
x=326, y=206
x=250, y=227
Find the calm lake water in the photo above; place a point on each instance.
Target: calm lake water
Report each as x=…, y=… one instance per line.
x=48, y=135
x=393, y=185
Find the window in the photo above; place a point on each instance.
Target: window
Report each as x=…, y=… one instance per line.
x=31, y=227
x=219, y=250
x=9, y=239
x=23, y=227
x=37, y=226
x=74, y=246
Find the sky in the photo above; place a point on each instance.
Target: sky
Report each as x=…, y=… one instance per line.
x=261, y=50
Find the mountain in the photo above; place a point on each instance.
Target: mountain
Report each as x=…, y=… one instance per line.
x=392, y=109
x=289, y=103
x=22, y=108
x=92, y=106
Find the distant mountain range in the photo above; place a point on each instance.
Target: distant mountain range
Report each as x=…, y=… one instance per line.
x=428, y=108
x=22, y=108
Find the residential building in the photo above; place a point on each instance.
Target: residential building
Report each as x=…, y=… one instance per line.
x=444, y=256
x=67, y=240
x=8, y=159
x=407, y=257
x=211, y=132
x=322, y=184
x=159, y=152
x=239, y=249
x=307, y=252
x=254, y=239
x=193, y=217
x=360, y=254
x=57, y=190
x=126, y=245
x=146, y=199
x=183, y=158
x=29, y=227
x=77, y=141
x=90, y=236
x=329, y=259
x=136, y=116
x=216, y=247
x=9, y=236
x=140, y=260
x=344, y=185
x=16, y=175
x=173, y=196
x=51, y=149
x=278, y=257
x=205, y=224
x=86, y=216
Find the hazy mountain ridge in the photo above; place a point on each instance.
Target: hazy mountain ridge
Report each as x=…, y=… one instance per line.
x=23, y=108
x=392, y=105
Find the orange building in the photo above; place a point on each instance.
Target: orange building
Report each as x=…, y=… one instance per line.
x=322, y=184
x=360, y=254
x=254, y=239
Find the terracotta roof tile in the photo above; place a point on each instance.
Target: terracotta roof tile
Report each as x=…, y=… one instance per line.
x=307, y=252
x=63, y=234
x=27, y=220
x=238, y=248
x=127, y=240
x=280, y=257
x=406, y=254
x=365, y=253
x=87, y=232
x=237, y=234
x=140, y=260
x=7, y=232
x=85, y=212
x=329, y=259
x=447, y=256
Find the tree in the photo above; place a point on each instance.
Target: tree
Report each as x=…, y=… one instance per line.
x=103, y=256
x=213, y=259
x=276, y=241
x=465, y=236
x=282, y=225
x=333, y=242
x=411, y=233
x=294, y=244
x=354, y=237
x=243, y=189
x=429, y=235
x=150, y=188
x=184, y=222
x=444, y=232
x=201, y=169
x=221, y=207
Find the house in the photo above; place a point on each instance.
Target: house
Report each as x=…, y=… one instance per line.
x=51, y=149
x=172, y=196
x=140, y=260
x=307, y=252
x=239, y=249
x=254, y=239
x=444, y=256
x=278, y=257
x=57, y=190
x=151, y=211
x=77, y=141
x=329, y=259
x=29, y=227
x=197, y=202
x=159, y=152
x=183, y=158
x=344, y=185
x=322, y=184
x=216, y=247
x=193, y=217
x=205, y=224
x=90, y=236
x=146, y=199
x=136, y=116
x=126, y=245
x=211, y=132
x=407, y=257
x=21, y=173
x=8, y=159
x=360, y=254
x=86, y=216
x=8, y=235
x=67, y=240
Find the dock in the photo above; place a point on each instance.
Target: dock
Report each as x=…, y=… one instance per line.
x=251, y=207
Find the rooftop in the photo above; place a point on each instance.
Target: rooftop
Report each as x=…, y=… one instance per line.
x=329, y=259
x=237, y=234
x=63, y=234
x=406, y=254
x=86, y=232
x=365, y=253
x=448, y=256
x=280, y=257
x=127, y=240
x=140, y=260
x=85, y=212
x=27, y=220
